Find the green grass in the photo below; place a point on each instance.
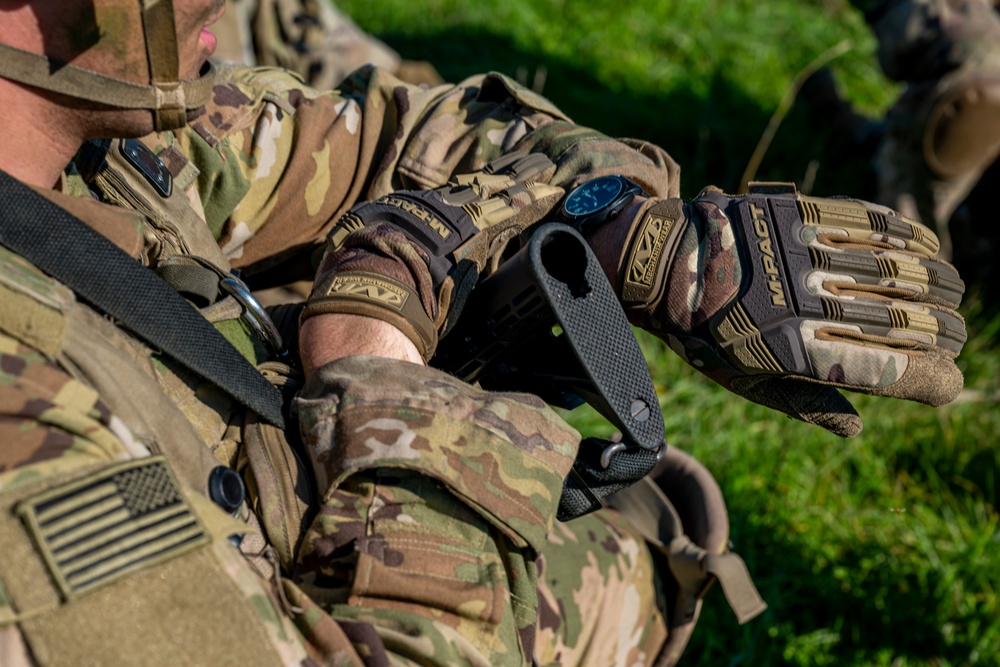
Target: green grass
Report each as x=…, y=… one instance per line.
x=848, y=580
x=698, y=77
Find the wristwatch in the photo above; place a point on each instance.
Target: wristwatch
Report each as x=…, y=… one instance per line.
x=597, y=201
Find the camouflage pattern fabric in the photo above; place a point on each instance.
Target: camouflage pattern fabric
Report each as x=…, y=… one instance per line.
x=312, y=38
x=599, y=563
x=270, y=165
x=409, y=545
x=279, y=163
x=55, y=429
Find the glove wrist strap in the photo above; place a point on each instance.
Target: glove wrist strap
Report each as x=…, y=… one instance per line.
x=373, y=295
x=653, y=241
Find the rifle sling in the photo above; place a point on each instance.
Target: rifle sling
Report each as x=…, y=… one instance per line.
x=115, y=284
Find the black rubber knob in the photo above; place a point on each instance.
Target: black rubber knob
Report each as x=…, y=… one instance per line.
x=225, y=488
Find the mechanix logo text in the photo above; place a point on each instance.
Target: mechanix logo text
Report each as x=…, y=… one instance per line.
x=767, y=256
x=652, y=236
x=420, y=213
x=368, y=287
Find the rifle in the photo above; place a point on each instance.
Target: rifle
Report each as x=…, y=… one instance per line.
x=549, y=323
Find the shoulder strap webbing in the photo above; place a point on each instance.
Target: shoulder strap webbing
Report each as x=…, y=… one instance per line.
x=115, y=284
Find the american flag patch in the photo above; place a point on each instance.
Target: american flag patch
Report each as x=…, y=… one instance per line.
x=95, y=530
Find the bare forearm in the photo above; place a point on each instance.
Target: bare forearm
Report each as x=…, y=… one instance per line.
x=325, y=338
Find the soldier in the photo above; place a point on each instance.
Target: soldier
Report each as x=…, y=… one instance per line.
x=943, y=132
x=407, y=523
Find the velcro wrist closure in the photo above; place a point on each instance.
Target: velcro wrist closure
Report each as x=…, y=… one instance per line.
x=649, y=251
x=436, y=227
x=373, y=295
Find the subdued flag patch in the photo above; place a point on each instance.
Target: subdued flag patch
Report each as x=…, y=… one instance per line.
x=100, y=528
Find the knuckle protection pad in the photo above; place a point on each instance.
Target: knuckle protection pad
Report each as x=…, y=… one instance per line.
x=764, y=329
x=760, y=329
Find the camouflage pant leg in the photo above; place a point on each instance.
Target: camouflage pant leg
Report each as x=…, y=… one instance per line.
x=597, y=601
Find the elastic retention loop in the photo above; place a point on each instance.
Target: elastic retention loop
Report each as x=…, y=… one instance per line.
x=589, y=482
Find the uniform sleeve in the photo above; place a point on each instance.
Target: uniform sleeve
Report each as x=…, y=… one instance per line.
x=280, y=162
x=438, y=496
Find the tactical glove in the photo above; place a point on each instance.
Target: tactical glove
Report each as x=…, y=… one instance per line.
x=411, y=258
x=781, y=297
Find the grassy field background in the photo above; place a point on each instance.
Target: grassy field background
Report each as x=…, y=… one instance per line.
x=849, y=580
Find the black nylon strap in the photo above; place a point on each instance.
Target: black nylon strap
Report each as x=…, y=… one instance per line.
x=196, y=283
x=584, y=491
x=115, y=284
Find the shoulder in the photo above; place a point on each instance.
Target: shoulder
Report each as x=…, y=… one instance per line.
x=34, y=307
x=241, y=94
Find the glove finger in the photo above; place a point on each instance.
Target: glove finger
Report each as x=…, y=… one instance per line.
x=893, y=324
x=866, y=224
x=502, y=173
x=803, y=399
x=473, y=188
x=902, y=350
x=521, y=167
x=844, y=358
x=524, y=203
x=504, y=217
x=891, y=274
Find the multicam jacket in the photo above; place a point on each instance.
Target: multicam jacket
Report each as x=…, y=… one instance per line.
x=433, y=498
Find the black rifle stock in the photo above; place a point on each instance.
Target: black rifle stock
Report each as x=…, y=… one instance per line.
x=548, y=322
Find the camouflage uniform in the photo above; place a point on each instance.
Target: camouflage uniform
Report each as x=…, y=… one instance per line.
x=431, y=508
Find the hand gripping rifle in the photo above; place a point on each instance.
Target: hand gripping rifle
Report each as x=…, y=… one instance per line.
x=548, y=322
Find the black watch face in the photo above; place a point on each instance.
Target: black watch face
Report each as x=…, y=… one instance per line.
x=593, y=196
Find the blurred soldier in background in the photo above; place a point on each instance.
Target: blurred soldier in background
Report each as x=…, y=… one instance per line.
x=943, y=133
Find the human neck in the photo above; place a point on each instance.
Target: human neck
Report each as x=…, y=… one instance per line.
x=40, y=136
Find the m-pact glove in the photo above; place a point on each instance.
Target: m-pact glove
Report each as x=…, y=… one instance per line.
x=411, y=258
x=782, y=297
